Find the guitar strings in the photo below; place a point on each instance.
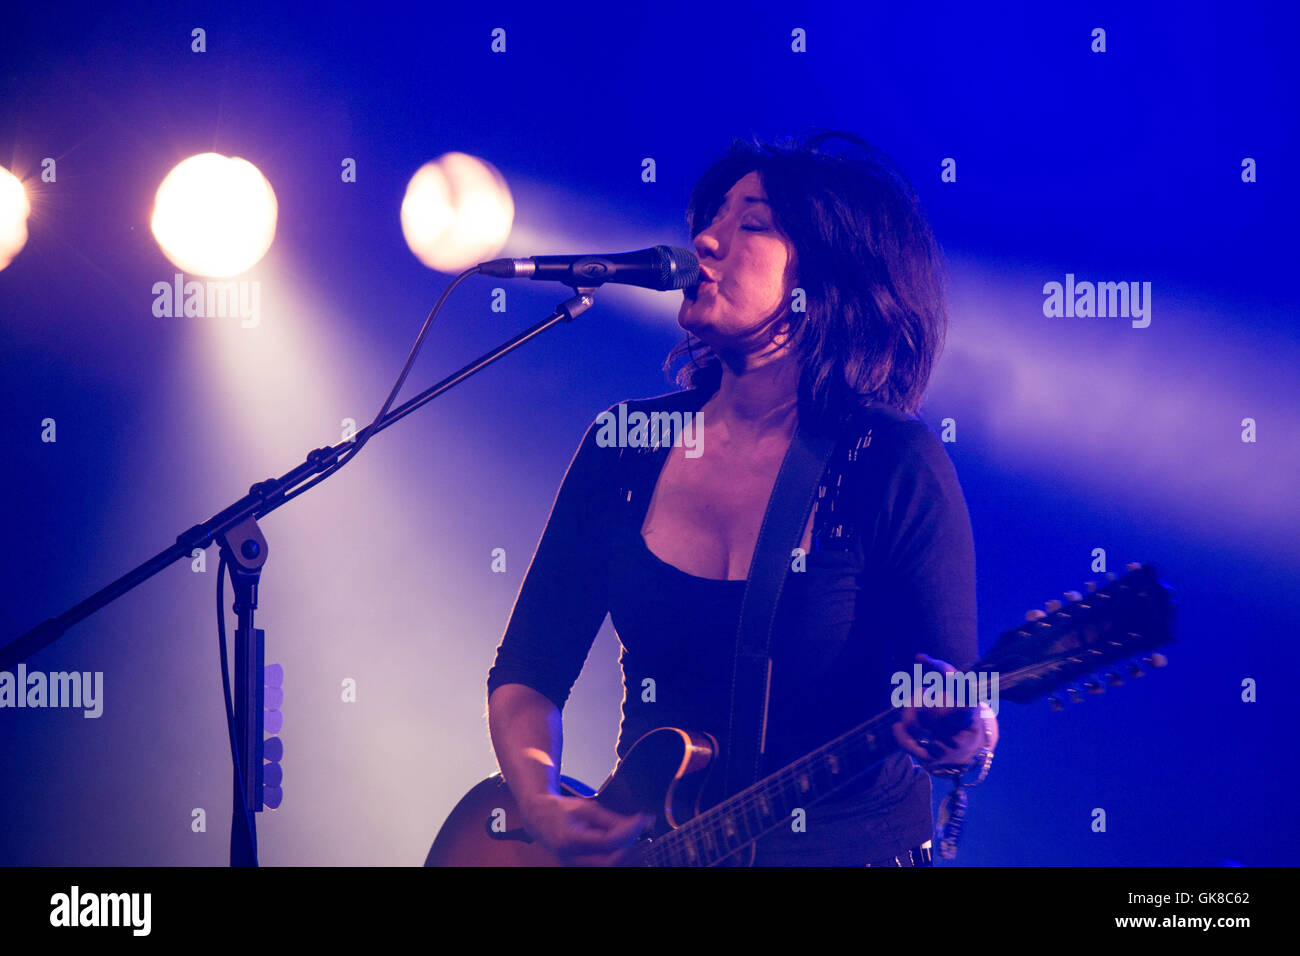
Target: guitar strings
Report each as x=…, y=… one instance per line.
x=753, y=795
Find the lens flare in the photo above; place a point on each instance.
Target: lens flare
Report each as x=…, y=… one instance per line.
x=14, y=210
x=457, y=211
x=214, y=215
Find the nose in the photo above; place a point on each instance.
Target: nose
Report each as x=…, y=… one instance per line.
x=706, y=243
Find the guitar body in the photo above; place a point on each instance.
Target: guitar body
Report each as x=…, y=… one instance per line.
x=663, y=775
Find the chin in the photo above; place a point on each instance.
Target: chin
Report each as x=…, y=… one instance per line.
x=689, y=318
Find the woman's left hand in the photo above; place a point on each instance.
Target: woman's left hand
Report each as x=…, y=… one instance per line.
x=945, y=738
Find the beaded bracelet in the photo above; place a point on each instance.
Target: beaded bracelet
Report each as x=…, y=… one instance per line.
x=952, y=812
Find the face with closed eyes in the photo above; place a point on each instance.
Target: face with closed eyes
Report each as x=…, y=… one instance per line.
x=752, y=268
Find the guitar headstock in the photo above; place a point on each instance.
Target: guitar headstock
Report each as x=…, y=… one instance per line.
x=1094, y=638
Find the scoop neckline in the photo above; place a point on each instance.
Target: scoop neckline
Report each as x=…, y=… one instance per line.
x=645, y=547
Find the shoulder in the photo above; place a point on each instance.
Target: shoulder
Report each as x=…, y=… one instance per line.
x=911, y=503
x=888, y=456
x=680, y=400
x=633, y=422
x=632, y=425
x=891, y=434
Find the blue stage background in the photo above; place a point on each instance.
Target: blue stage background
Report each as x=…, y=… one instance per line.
x=1071, y=433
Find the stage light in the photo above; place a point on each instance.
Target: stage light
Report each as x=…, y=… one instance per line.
x=214, y=215
x=14, y=210
x=457, y=211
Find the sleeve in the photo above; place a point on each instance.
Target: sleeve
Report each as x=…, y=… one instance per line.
x=564, y=596
x=925, y=551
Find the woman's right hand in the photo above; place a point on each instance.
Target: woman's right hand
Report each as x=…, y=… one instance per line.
x=580, y=831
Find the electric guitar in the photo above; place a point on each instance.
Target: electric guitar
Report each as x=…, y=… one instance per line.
x=1068, y=649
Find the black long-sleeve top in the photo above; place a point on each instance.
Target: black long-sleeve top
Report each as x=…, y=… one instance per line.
x=891, y=573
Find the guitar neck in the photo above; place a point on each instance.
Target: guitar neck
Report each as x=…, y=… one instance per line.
x=1084, y=636
x=738, y=821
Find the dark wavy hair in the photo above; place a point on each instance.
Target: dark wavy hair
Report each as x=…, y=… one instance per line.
x=867, y=262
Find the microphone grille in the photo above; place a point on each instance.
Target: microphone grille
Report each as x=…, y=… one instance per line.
x=678, y=268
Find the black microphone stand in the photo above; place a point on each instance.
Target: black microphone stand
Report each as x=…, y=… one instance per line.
x=244, y=548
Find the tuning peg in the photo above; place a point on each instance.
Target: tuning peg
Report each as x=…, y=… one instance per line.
x=1155, y=660
x=1092, y=587
x=1073, y=596
x=1033, y=614
x=1055, y=702
x=1135, y=670
x=1052, y=606
x=1110, y=575
x=1114, y=679
x=1093, y=686
x=1073, y=694
x=1132, y=566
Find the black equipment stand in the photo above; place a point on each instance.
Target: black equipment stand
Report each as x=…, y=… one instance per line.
x=245, y=550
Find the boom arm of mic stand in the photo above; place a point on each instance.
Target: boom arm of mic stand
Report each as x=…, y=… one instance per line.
x=265, y=496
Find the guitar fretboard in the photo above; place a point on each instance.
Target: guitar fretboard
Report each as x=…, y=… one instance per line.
x=717, y=833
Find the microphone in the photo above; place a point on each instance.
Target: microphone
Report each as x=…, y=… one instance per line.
x=662, y=268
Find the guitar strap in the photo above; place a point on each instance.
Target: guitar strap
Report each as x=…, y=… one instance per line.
x=781, y=532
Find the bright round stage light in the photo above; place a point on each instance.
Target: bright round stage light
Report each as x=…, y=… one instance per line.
x=457, y=211
x=214, y=215
x=14, y=210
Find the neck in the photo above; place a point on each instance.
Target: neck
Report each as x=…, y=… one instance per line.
x=758, y=396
